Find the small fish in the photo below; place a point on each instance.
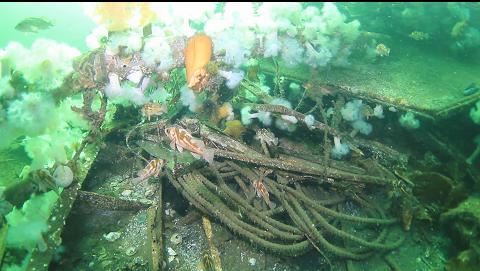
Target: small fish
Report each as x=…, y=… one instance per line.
x=182, y=139
x=471, y=89
x=382, y=50
x=33, y=24
x=153, y=168
x=326, y=90
x=459, y=29
x=418, y=35
x=263, y=192
x=153, y=109
x=367, y=111
x=307, y=85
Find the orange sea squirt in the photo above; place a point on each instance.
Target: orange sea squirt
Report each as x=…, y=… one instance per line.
x=197, y=55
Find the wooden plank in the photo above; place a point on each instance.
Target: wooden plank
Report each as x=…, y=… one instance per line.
x=155, y=231
x=427, y=82
x=40, y=260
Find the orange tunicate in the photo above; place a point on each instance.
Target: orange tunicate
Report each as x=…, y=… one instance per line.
x=197, y=55
x=224, y=111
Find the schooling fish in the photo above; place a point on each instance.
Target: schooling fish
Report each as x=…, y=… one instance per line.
x=33, y=24
x=471, y=89
x=182, y=139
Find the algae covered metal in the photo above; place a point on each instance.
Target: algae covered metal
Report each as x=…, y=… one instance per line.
x=239, y=136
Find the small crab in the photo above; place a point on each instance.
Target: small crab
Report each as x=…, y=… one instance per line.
x=90, y=70
x=266, y=138
x=126, y=66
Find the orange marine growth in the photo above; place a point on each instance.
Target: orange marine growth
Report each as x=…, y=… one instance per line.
x=118, y=16
x=197, y=55
x=182, y=139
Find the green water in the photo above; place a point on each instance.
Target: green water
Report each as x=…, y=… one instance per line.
x=71, y=23
x=239, y=136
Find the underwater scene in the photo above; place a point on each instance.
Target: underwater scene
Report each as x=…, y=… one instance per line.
x=240, y=136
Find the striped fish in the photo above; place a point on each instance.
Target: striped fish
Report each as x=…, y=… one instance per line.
x=182, y=139
x=153, y=168
x=263, y=193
